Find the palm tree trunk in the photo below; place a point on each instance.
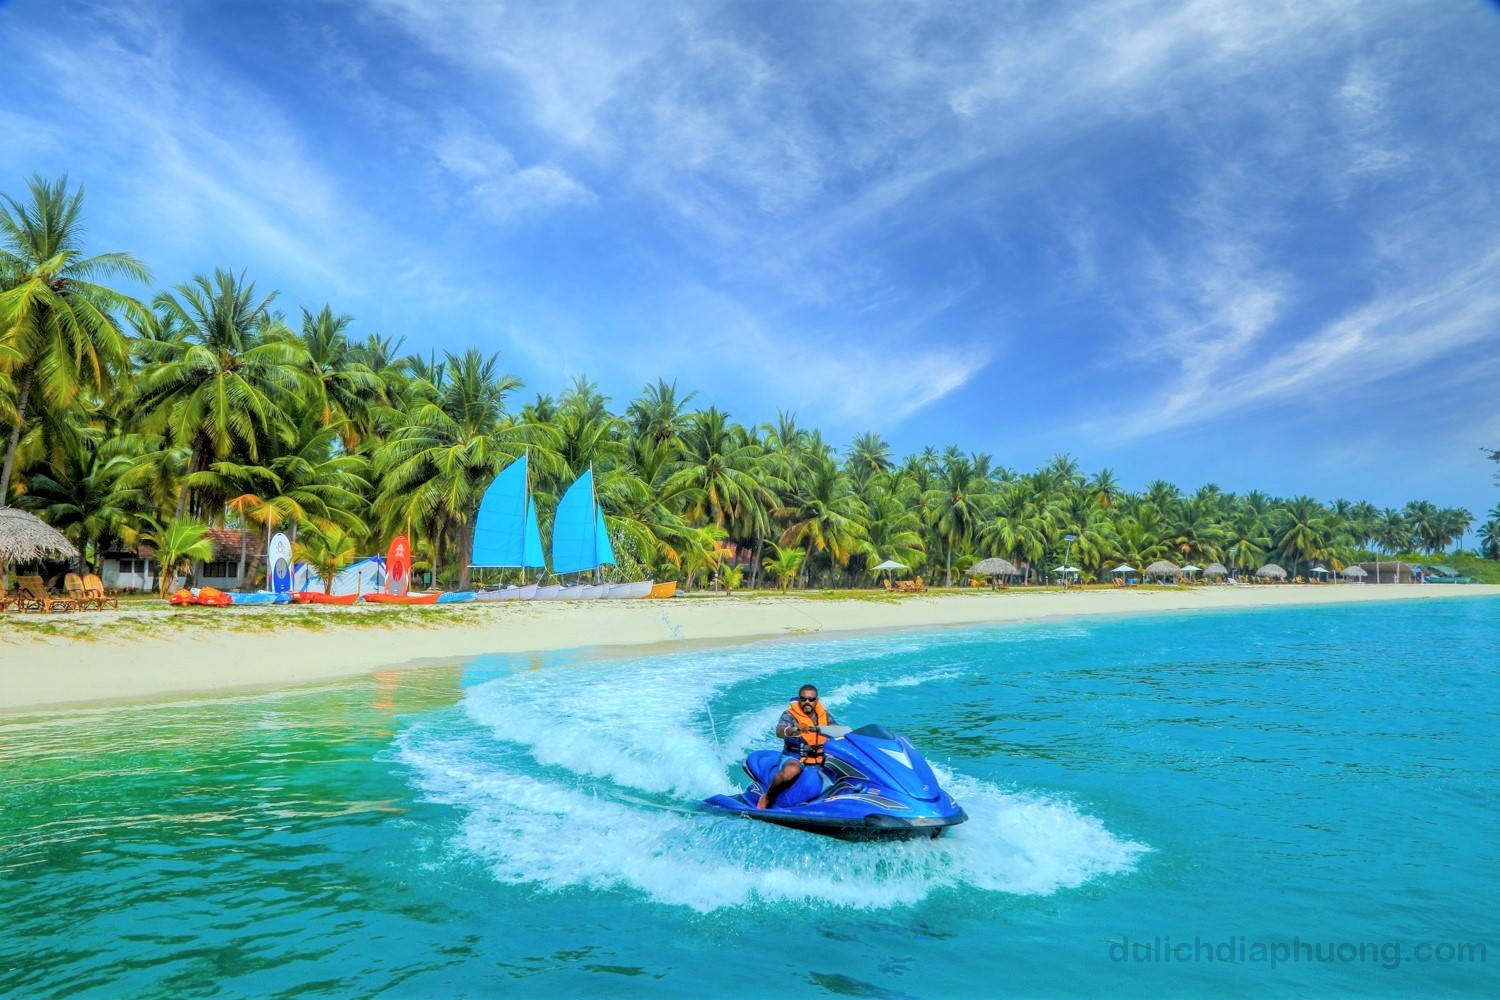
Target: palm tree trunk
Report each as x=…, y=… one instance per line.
x=755, y=572
x=15, y=434
x=465, y=554
x=243, y=533
x=948, y=570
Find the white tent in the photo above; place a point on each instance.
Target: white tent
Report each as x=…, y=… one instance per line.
x=367, y=576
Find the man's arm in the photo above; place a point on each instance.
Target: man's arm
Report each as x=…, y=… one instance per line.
x=786, y=726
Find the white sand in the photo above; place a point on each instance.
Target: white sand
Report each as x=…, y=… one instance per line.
x=138, y=655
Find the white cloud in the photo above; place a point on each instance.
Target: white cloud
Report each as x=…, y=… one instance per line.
x=504, y=189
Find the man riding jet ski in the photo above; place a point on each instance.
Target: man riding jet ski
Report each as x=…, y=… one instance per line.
x=858, y=784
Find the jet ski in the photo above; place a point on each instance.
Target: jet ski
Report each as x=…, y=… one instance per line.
x=873, y=785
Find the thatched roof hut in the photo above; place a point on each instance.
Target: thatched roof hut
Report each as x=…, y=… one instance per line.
x=1353, y=573
x=1271, y=571
x=1215, y=569
x=994, y=566
x=1162, y=568
x=26, y=538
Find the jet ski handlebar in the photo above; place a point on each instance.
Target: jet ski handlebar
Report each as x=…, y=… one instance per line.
x=832, y=732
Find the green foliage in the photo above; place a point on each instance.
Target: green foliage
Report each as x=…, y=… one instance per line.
x=206, y=409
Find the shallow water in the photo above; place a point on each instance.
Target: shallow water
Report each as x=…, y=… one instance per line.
x=1317, y=783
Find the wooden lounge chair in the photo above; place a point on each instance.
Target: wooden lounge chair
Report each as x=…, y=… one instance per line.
x=889, y=589
x=8, y=602
x=73, y=587
x=93, y=588
x=36, y=597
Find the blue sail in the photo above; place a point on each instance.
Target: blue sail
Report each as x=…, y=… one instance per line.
x=531, y=551
x=499, y=529
x=603, y=551
x=573, y=528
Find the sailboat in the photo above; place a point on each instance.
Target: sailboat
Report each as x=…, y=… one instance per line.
x=506, y=532
x=580, y=538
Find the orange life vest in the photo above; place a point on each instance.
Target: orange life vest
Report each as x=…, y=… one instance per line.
x=808, y=746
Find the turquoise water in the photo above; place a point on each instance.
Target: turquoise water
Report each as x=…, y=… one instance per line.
x=1317, y=783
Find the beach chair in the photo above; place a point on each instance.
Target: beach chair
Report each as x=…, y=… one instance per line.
x=8, y=602
x=919, y=586
x=93, y=587
x=73, y=587
x=888, y=588
x=36, y=597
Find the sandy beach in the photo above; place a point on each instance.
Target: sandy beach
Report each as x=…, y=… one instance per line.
x=147, y=653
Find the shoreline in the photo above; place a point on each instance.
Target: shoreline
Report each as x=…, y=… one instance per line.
x=119, y=659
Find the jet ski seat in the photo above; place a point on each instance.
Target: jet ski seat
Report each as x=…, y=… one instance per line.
x=762, y=765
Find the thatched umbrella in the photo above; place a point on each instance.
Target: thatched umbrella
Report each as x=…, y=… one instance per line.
x=1215, y=569
x=1354, y=573
x=994, y=566
x=1271, y=571
x=1162, y=568
x=25, y=538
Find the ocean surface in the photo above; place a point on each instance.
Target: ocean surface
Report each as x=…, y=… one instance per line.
x=1288, y=802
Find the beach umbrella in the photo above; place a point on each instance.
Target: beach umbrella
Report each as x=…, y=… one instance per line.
x=994, y=566
x=1192, y=569
x=1319, y=570
x=26, y=538
x=889, y=566
x=1066, y=569
x=1123, y=568
x=1162, y=568
x=1271, y=571
x=1216, y=569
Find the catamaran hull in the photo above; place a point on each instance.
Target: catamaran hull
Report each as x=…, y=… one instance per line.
x=548, y=593
x=629, y=591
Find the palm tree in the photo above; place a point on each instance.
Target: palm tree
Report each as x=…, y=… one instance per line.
x=786, y=564
x=868, y=455
x=347, y=391
x=327, y=549
x=58, y=333
x=228, y=382
x=1489, y=535
x=1421, y=517
x=659, y=413
x=88, y=496
x=894, y=526
x=717, y=470
x=1301, y=532
x=956, y=506
x=1104, y=488
x=824, y=514
x=434, y=471
x=1393, y=534
x=179, y=543
x=1021, y=522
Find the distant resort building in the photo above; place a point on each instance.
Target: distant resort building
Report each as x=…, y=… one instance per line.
x=1392, y=570
x=136, y=569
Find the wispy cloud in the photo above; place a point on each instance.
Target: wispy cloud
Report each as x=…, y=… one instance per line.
x=494, y=181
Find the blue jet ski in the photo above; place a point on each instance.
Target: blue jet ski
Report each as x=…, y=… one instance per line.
x=873, y=785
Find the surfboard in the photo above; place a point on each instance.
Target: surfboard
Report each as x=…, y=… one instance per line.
x=398, y=567
x=279, y=559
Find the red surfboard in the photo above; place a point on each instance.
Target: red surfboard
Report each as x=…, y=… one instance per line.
x=398, y=567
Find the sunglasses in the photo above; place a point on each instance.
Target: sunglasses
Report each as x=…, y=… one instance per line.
x=808, y=700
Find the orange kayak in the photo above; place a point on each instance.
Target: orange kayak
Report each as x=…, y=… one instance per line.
x=317, y=597
x=667, y=589
x=402, y=598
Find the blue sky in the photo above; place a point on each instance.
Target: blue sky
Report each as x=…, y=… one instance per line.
x=1248, y=243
